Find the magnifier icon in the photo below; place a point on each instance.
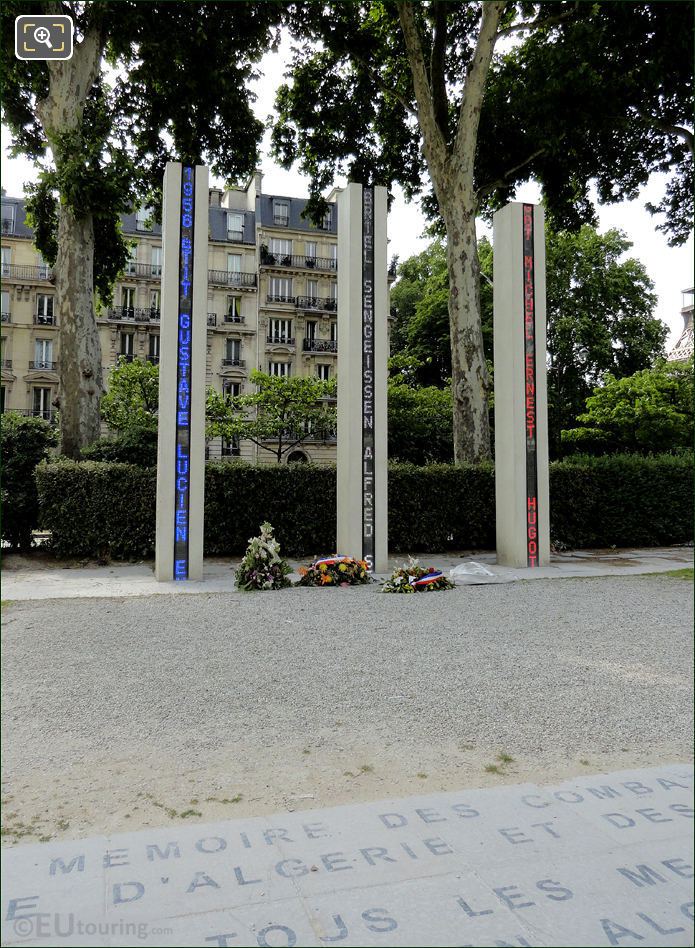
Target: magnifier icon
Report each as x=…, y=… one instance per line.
x=43, y=35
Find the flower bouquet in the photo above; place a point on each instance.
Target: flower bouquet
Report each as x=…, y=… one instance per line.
x=412, y=578
x=262, y=566
x=335, y=571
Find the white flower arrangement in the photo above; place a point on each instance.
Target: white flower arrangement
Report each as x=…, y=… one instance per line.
x=262, y=566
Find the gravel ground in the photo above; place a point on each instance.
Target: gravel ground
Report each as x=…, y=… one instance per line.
x=125, y=712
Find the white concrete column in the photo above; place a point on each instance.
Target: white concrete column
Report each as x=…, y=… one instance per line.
x=182, y=349
x=521, y=410
x=362, y=357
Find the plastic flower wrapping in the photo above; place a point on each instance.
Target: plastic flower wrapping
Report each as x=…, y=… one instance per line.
x=262, y=566
x=336, y=570
x=412, y=578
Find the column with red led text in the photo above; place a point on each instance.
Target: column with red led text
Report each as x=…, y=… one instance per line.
x=521, y=416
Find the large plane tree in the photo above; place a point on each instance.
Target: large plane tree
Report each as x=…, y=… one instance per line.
x=426, y=95
x=147, y=83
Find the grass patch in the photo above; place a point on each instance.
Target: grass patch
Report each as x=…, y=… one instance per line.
x=492, y=769
x=584, y=763
x=190, y=813
x=504, y=758
x=422, y=776
x=366, y=769
x=686, y=573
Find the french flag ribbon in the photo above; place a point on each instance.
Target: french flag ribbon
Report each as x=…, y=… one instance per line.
x=332, y=560
x=426, y=580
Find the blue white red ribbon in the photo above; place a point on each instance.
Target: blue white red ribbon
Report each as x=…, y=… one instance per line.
x=332, y=560
x=425, y=580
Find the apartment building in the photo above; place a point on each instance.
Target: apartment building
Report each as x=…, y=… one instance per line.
x=272, y=304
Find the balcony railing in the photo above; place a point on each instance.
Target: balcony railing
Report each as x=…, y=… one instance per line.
x=234, y=318
x=6, y=318
x=298, y=261
x=17, y=271
x=324, y=304
x=8, y=225
x=237, y=235
x=231, y=278
x=153, y=359
x=44, y=319
x=133, y=314
x=239, y=363
x=279, y=298
x=125, y=357
x=150, y=271
x=6, y=363
x=279, y=339
x=320, y=345
x=41, y=364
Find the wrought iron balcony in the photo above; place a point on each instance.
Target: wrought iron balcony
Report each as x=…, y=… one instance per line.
x=323, y=304
x=231, y=278
x=279, y=298
x=320, y=345
x=6, y=318
x=234, y=318
x=41, y=364
x=239, y=363
x=44, y=319
x=133, y=314
x=147, y=271
x=298, y=261
x=27, y=274
x=6, y=363
x=279, y=340
x=48, y=414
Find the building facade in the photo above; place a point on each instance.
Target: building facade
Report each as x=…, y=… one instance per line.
x=684, y=347
x=272, y=304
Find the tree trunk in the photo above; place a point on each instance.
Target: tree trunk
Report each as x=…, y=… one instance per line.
x=470, y=379
x=62, y=114
x=80, y=347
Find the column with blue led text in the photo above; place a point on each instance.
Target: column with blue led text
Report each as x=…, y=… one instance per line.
x=181, y=442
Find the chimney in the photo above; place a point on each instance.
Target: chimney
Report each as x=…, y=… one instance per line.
x=215, y=197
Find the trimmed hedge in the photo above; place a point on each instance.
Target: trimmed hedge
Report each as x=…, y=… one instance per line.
x=106, y=509
x=24, y=442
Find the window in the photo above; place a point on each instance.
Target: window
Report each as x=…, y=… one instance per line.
x=279, y=369
x=231, y=389
x=281, y=213
x=323, y=371
x=155, y=301
x=334, y=256
x=282, y=249
x=327, y=221
x=311, y=329
x=234, y=268
x=311, y=253
x=8, y=218
x=281, y=290
x=127, y=297
x=143, y=218
x=312, y=289
x=5, y=306
x=233, y=352
x=43, y=354
x=127, y=344
x=43, y=268
x=153, y=353
x=233, y=314
x=231, y=447
x=156, y=261
x=280, y=330
x=131, y=262
x=2, y=399
x=334, y=332
x=41, y=405
x=44, y=309
x=235, y=226
x=3, y=351
x=6, y=260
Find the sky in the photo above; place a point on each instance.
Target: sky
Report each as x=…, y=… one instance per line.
x=670, y=268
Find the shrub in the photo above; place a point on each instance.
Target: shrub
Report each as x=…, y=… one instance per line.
x=135, y=446
x=98, y=508
x=25, y=442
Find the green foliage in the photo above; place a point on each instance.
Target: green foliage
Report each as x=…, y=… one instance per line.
x=132, y=446
x=419, y=424
x=285, y=411
x=24, y=443
x=132, y=399
x=624, y=500
x=650, y=411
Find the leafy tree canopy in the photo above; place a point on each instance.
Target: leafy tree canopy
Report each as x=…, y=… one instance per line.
x=132, y=400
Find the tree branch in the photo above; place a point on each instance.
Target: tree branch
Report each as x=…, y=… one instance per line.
x=379, y=82
x=539, y=22
x=678, y=130
x=437, y=63
x=501, y=182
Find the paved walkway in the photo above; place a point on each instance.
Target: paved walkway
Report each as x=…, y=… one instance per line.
x=22, y=582
x=600, y=860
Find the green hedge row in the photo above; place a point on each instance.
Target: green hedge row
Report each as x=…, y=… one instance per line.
x=107, y=509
